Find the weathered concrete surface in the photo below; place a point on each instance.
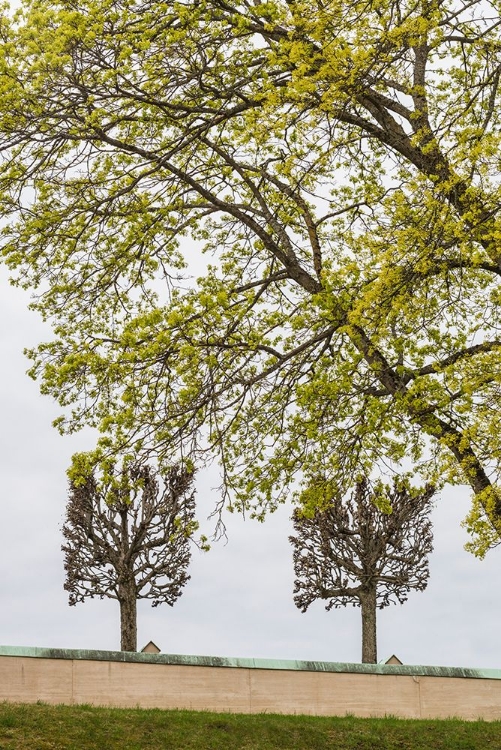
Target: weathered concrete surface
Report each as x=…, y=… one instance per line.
x=29, y=680
x=169, y=681
x=463, y=698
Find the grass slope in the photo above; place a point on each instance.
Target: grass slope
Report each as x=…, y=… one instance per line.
x=43, y=727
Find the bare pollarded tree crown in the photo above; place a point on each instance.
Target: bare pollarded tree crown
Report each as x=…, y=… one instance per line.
x=377, y=537
x=130, y=539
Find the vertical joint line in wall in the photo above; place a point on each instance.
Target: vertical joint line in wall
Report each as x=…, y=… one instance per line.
x=72, y=681
x=418, y=681
x=249, y=682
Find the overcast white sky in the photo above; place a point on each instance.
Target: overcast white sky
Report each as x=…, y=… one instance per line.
x=239, y=600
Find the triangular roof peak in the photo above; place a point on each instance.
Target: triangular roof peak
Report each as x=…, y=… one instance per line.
x=393, y=660
x=150, y=648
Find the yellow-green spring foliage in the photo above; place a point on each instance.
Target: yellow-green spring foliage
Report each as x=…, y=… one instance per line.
x=267, y=230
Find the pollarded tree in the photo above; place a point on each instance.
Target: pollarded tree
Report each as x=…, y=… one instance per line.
x=340, y=161
x=129, y=539
x=368, y=549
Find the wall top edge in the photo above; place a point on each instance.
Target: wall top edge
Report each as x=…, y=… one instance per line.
x=246, y=663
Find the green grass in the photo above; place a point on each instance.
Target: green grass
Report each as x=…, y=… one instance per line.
x=43, y=727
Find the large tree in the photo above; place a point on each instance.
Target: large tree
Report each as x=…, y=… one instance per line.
x=338, y=162
x=368, y=549
x=127, y=537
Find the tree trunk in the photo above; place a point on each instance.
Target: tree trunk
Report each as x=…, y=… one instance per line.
x=128, y=618
x=369, y=637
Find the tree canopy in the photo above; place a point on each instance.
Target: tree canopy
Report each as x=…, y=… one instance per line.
x=338, y=162
x=368, y=549
x=129, y=539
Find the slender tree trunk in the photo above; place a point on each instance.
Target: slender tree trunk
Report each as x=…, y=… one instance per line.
x=369, y=636
x=128, y=618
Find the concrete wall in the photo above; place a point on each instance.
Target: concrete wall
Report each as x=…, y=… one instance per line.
x=199, y=683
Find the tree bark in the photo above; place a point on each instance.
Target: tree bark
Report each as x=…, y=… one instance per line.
x=369, y=636
x=128, y=618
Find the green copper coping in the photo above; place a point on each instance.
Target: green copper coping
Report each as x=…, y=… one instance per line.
x=223, y=661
